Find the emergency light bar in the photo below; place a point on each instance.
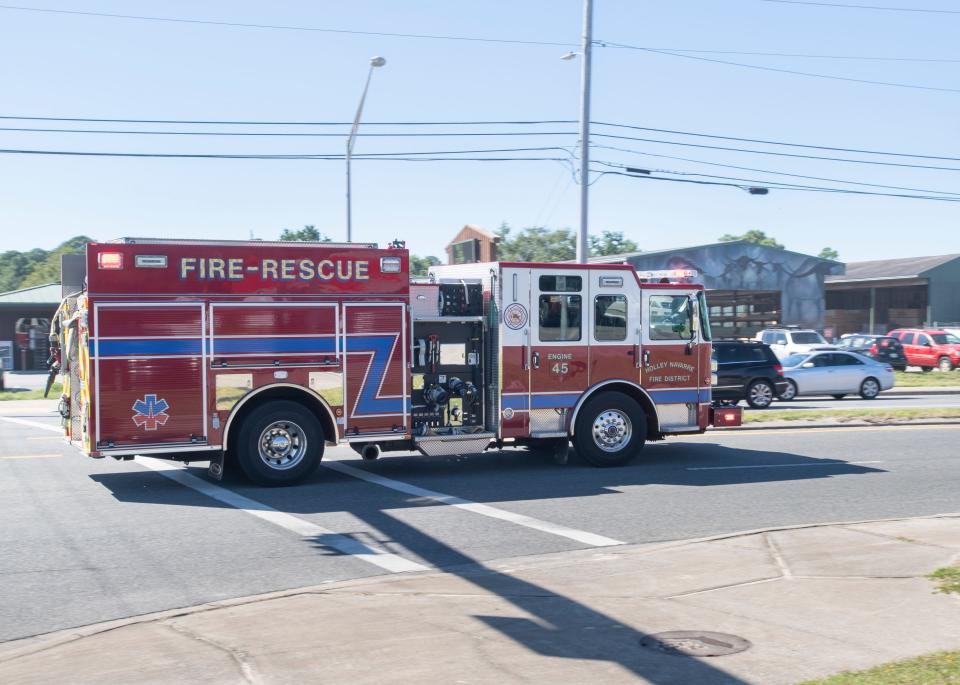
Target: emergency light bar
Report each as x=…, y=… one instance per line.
x=110, y=260
x=671, y=275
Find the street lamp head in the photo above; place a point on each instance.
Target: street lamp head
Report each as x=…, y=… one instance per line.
x=569, y=56
x=377, y=61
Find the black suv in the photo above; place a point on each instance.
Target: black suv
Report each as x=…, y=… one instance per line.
x=883, y=348
x=747, y=371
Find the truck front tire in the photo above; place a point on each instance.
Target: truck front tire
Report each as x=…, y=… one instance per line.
x=280, y=443
x=610, y=429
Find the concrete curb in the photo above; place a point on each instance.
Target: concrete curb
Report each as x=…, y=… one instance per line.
x=923, y=390
x=800, y=425
x=27, y=646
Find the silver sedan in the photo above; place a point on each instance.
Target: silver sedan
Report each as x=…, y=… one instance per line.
x=835, y=373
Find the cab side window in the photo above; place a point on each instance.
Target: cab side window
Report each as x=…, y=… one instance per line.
x=560, y=317
x=610, y=317
x=671, y=317
x=907, y=339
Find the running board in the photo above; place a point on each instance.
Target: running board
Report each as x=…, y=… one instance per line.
x=447, y=445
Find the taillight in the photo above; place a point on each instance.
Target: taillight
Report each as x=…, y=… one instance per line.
x=873, y=349
x=778, y=368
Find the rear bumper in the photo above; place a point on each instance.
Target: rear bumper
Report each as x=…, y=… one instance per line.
x=725, y=417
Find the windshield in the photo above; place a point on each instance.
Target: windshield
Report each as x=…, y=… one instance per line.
x=945, y=338
x=705, y=331
x=795, y=359
x=808, y=338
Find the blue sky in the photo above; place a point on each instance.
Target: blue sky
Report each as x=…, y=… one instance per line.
x=77, y=66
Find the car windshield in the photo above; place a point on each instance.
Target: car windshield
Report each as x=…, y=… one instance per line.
x=808, y=338
x=795, y=359
x=945, y=338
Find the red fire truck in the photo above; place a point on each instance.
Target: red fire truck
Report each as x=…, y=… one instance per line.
x=261, y=353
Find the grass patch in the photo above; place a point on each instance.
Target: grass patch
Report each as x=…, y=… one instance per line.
x=23, y=394
x=941, y=668
x=948, y=579
x=871, y=415
x=934, y=379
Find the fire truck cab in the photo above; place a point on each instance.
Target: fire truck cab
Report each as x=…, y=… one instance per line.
x=260, y=354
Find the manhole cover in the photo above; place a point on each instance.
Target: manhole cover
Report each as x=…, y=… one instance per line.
x=695, y=643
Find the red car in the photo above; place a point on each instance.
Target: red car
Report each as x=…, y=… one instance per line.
x=928, y=348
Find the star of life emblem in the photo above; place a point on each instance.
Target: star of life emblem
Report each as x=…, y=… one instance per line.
x=150, y=413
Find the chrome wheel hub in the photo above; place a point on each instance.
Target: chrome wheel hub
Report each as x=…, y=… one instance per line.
x=612, y=430
x=761, y=394
x=870, y=388
x=282, y=445
x=789, y=392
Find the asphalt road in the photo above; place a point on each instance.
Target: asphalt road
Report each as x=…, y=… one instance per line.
x=88, y=540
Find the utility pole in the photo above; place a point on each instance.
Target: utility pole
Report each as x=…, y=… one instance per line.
x=583, y=247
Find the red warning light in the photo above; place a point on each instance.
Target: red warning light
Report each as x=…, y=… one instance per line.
x=110, y=260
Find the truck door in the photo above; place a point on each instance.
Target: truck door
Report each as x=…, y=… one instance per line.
x=515, y=352
x=671, y=357
x=560, y=351
x=615, y=328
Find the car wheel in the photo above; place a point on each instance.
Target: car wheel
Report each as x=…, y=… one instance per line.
x=280, y=443
x=789, y=392
x=760, y=394
x=838, y=397
x=870, y=388
x=926, y=369
x=944, y=364
x=610, y=429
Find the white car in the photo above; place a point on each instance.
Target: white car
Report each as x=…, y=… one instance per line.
x=787, y=341
x=835, y=373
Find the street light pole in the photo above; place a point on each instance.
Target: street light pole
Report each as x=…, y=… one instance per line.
x=583, y=250
x=374, y=63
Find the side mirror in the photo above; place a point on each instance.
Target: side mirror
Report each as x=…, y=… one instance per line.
x=807, y=365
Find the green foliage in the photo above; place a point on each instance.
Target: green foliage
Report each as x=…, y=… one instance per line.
x=535, y=244
x=419, y=265
x=611, y=243
x=754, y=236
x=37, y=266
x=306, y=234
x=941, y=668
x=948, y=579
x=828, y=253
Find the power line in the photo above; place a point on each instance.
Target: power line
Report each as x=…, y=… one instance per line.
x=428, y=134
x=745, y=184
x=794, y=72
x=776, y=153
x=533, y=122
x=776, y=142
x=283, y=27
x=881, y=8
x=405, y=156
x=776, y=173
x=802, y=55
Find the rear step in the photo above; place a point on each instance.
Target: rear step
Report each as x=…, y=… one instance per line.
x=446, y=445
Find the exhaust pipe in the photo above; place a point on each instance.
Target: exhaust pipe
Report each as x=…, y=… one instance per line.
x=370, y=451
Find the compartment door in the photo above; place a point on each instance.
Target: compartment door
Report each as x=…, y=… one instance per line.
x=376, y=400
x=149, y=374
x=514, y=400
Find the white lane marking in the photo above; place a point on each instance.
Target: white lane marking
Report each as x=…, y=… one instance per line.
x=33, y=424
x=483, y=509
x=45, y=437
x=32, y=456
x=778, y=466
x=342, y=543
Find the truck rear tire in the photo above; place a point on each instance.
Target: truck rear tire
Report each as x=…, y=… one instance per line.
x=280, y=443
x=610, y=429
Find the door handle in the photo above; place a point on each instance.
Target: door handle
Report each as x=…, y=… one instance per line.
x=536, y=360
x=646, y=357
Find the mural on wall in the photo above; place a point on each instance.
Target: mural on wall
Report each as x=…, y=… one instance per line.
x=747, y=266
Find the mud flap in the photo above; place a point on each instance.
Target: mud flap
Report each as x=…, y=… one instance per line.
x=215, y=470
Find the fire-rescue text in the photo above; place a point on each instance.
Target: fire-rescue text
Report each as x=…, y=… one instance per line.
x=236, y=268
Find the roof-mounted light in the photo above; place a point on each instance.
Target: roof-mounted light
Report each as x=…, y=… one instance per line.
x=390, y=265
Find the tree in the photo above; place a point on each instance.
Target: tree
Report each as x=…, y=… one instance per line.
x=419, y=265
x=305, y=234
x=829, y=253
x=611, y=243
x=536, y=244
x=754, y=236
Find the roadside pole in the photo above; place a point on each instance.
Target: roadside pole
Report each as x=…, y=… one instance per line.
x=583, y=251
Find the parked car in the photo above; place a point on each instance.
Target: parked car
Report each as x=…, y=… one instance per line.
x=835, y=373
x=929, y=348
x=747, y=371
x=787, y=341
x=883, y=348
